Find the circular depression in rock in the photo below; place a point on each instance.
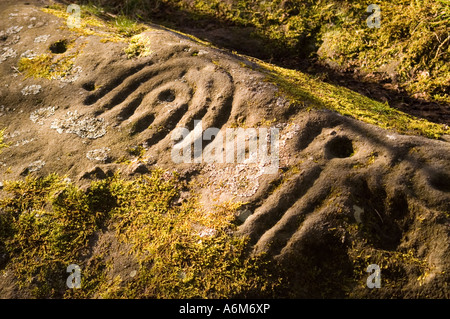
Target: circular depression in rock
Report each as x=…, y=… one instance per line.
x=59, y=47
x=340, y=147
x=440, y=181
x=166, y=96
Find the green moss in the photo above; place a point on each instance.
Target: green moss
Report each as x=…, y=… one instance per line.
x=411, y=46
x=394, y=265
x=47, y=224
x=128, y=27
x=87, y=22
x=123, y=160
x=301, y=88
x=2, y=142
x=183, y=264
x=139, y=47
x=137, y=151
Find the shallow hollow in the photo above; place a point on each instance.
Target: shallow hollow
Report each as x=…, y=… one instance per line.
x=340, y=147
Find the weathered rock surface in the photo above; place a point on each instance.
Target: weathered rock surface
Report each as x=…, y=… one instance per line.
x=335, y=173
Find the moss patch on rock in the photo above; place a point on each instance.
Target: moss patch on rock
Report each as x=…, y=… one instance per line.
x=94, y=21
x=139, y=47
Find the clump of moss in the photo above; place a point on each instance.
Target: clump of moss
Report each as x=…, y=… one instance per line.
x=183, y=252
x=123, y=160
x=88, y=23
x=413, y=51
x=186, y=252
x=47, y=65
x=128, y=27
x=301, y=88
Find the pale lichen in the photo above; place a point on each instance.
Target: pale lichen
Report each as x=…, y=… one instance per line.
x=24, y=142
x=74, y=123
